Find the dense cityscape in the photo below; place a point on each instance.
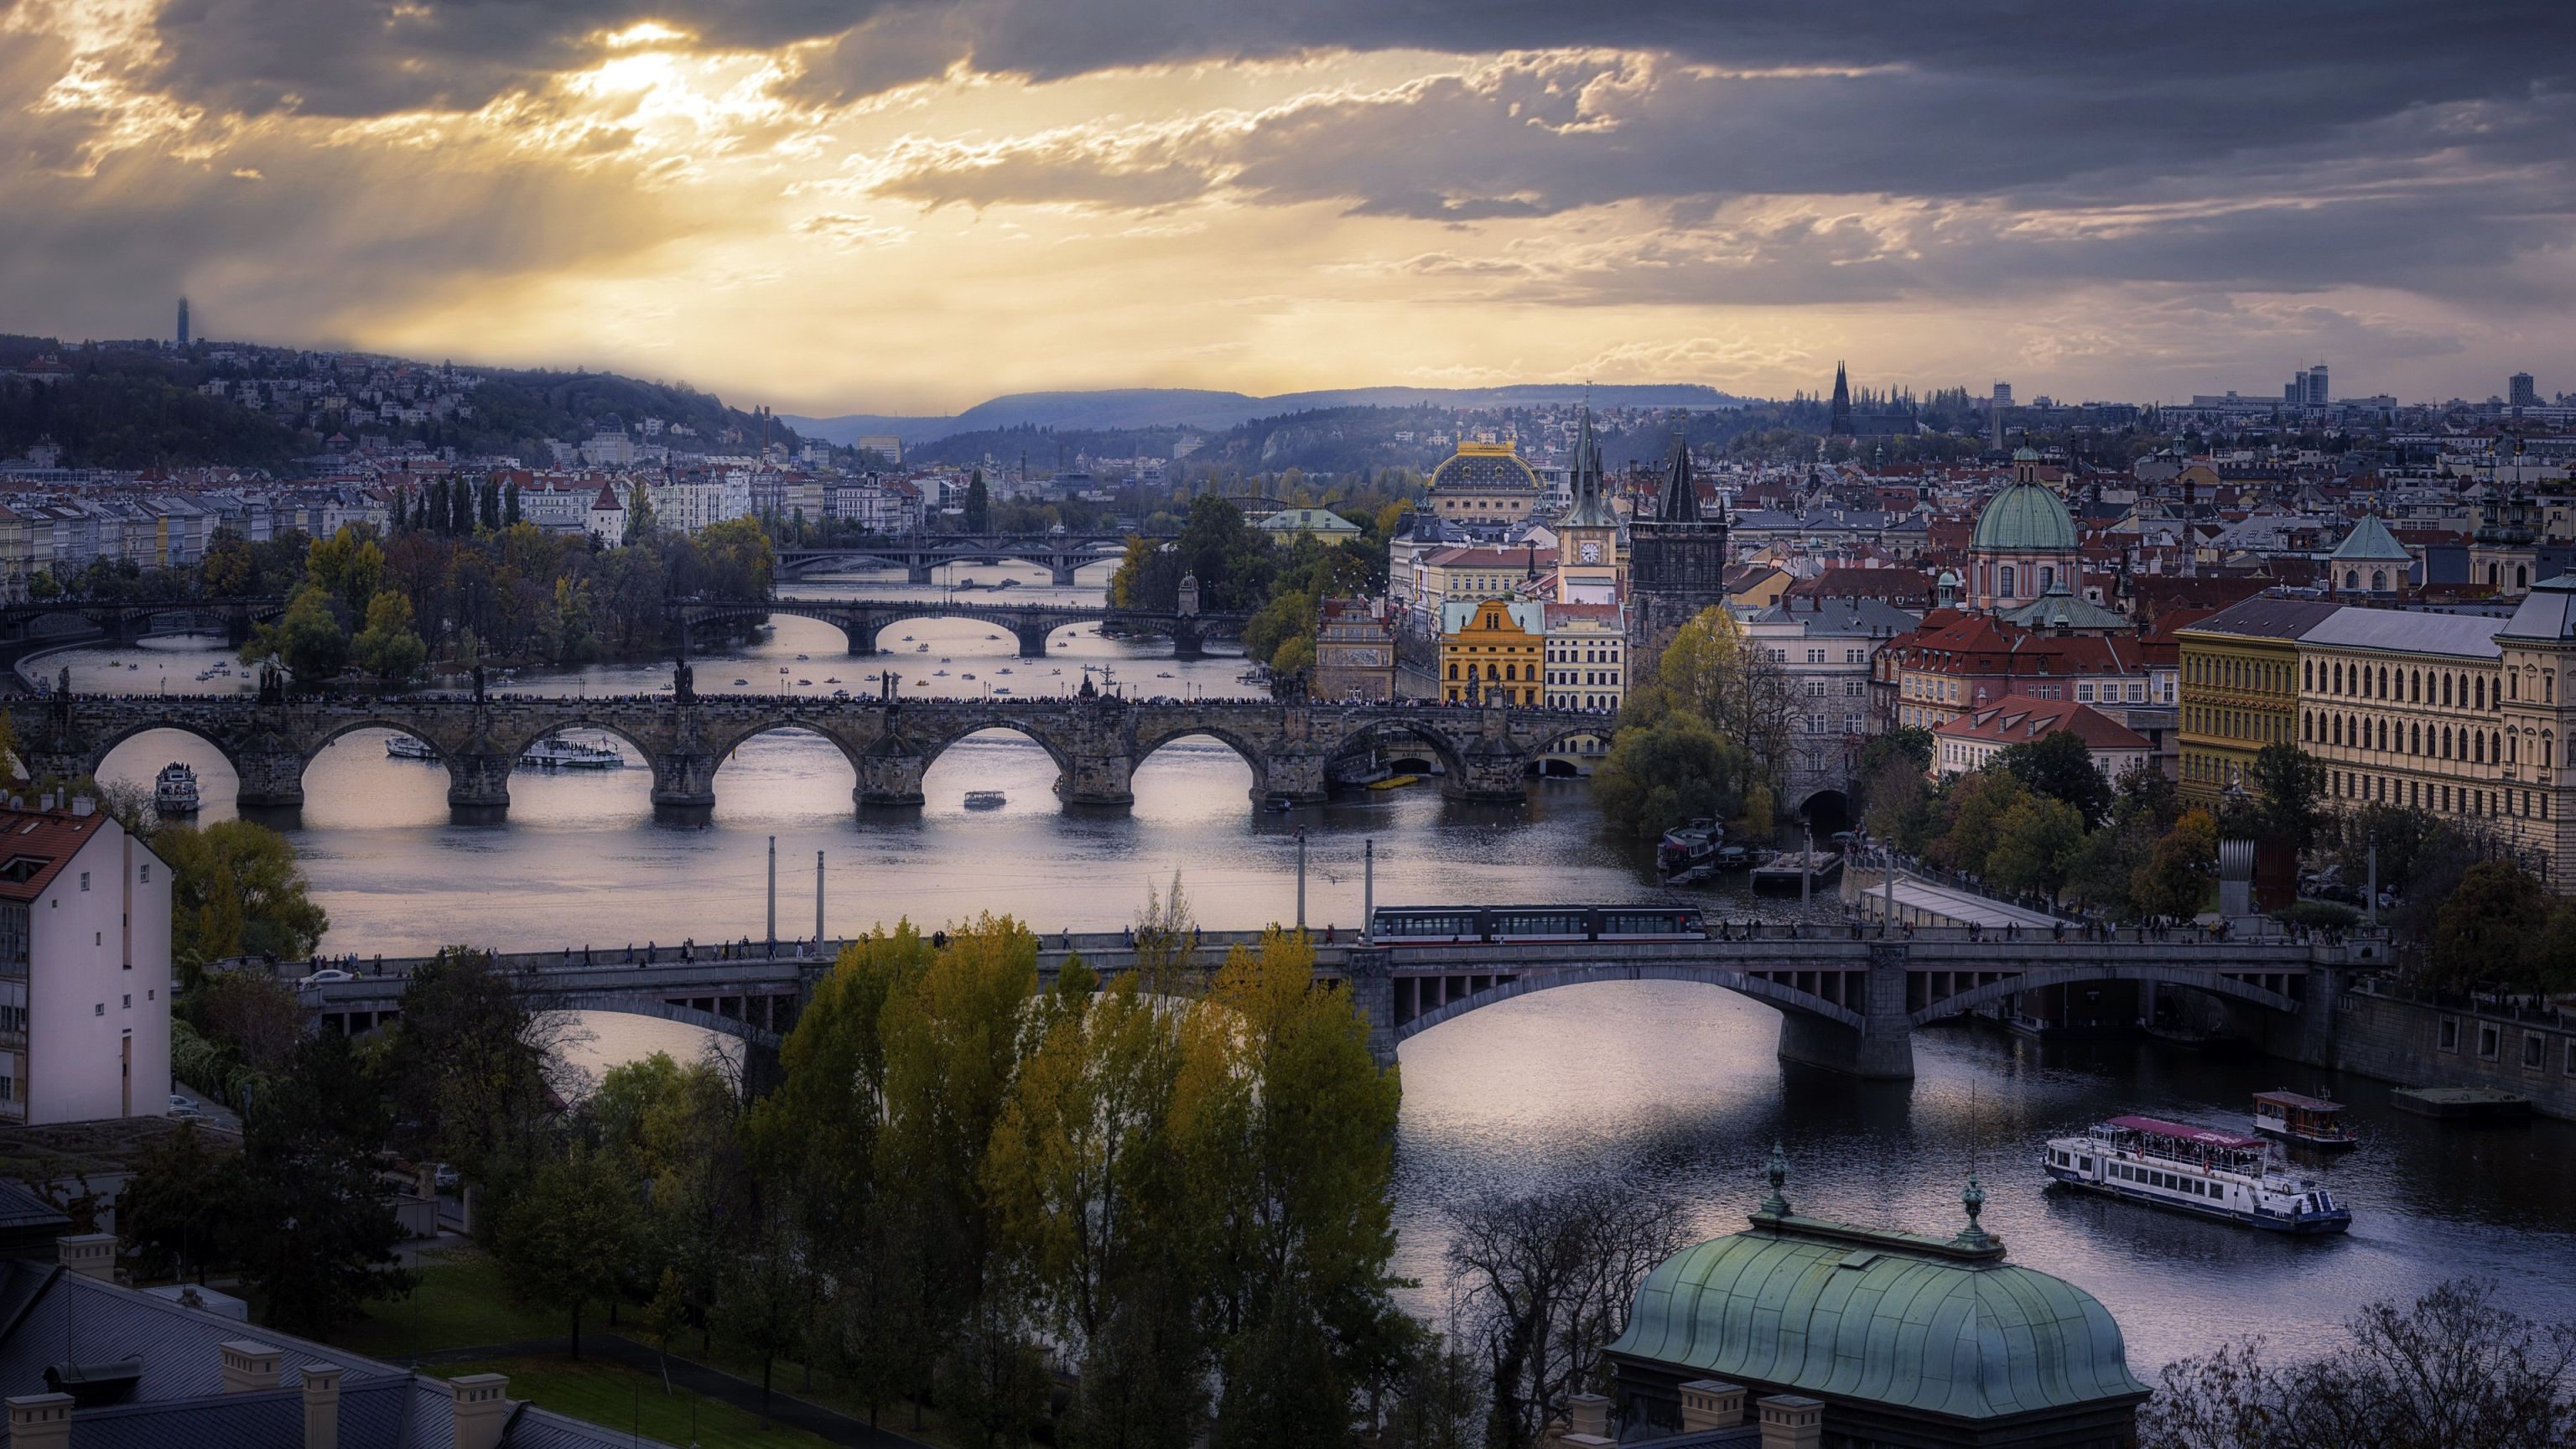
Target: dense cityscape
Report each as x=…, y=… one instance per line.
x=984, y=726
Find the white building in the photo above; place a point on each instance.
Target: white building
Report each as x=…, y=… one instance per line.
x=84, y=1024
x=701, y=500
x=606, y=521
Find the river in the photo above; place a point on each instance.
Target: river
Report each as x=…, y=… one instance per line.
x=1670, y=1084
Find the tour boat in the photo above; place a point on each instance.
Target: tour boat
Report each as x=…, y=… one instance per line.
x=1690, y=849
x=409, y=747
x=2211, y=1174
x=2312, y=1120
x=174, y=790
x=985, y=800
x=562, y=754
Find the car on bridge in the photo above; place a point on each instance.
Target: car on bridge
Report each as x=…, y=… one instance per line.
x=326, y=976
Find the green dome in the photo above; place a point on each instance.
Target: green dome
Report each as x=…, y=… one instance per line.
x=2025, y=518
x=1885, y=1318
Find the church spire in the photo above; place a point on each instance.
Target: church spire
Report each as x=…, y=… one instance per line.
x=1681, y=490
x=1840, y=419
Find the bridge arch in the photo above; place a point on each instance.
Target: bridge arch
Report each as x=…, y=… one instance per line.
x=749, y=1033
x=1787, y=999
x=390, y=725
x=2040, y=980
x=1536, y=762
x=1250, y=753
x=223, y=745
x=940, y=744
x=793, y=722
x=1375, y=732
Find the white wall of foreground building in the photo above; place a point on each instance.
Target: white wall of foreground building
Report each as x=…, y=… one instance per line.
x=85, y=976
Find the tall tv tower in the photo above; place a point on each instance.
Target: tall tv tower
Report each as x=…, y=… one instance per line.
x=183, y=321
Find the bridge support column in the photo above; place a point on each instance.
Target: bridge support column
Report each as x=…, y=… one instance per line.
x=271, y=778
x=1296, y=778
x=237, y=625
x=918, y=571
x=1883, y=1047
x=684, y=781
x=1187, y=641
x=479, y=782
x=1500, y=776
x=1033, y=639
x=1097, y=780
x=861, y=630
x=890, y=781
x=1061, y=574
x=1371, y=982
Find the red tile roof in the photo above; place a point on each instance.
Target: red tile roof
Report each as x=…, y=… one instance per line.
x=36, y=844
x=2016, y=719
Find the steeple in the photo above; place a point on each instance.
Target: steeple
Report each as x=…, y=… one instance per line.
x=1681, y=490
x=1840, y=420
x=1589, y=511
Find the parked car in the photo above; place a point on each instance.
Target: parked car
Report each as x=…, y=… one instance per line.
x=179, y=1103
x=445, y=1177
x=326, y=976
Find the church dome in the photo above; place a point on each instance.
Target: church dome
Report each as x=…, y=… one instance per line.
x=1911, y=1323
x=2025, y=518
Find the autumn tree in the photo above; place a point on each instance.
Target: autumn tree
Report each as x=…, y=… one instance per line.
x=2175, y=881
x=2038, y=845
x=237, y=890
x=572, y=1233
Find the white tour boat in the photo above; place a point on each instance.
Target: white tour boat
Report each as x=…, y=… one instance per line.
x=409, y=747
x=174, y=790
x=985, y=799
x=556, y=753
x=2191, y=1169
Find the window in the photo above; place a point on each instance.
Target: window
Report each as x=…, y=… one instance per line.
x=147, y=873
x=2449, y=1035
x=2534, y=1047
x=84, y=880
x=2490, y=1041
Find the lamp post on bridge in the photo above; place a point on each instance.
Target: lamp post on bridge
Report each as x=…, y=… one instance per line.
x=1301, y=877
x=773, y=894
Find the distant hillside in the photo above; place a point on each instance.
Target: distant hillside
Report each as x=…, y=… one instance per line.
x=1144, y=408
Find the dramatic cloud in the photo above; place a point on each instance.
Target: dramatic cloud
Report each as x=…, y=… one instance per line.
x=1007, y=193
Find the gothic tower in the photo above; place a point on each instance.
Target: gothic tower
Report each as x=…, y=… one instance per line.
x=1676, y=564
x=1841, y=421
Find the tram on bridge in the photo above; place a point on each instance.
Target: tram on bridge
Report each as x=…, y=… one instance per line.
x=1451, y=925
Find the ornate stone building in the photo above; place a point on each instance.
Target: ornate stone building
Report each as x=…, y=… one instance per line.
x=1676, y=563
x=2024, y=545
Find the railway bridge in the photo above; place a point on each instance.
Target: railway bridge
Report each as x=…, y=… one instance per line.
x=862, y=620
x=1096, y=740
x=921, y=554
x=1848, y=1003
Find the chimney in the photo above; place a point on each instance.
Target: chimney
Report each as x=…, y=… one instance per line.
x=91, y=1255
x=1789, y=1421
x=84, y=805
x=321, y=1406
x=482, y=1410
x=40, y=1421
x=1711, y=1404
x=249, y=1365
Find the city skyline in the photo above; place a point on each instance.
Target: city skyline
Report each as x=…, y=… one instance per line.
x=940, y=204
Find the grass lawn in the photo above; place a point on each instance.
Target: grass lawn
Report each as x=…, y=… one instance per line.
x=463, y=1300
x=612, y=1395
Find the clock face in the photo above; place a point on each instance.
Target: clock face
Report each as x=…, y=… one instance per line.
x=1590, y=552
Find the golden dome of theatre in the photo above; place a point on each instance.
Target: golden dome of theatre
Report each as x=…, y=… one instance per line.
x=1484, y=465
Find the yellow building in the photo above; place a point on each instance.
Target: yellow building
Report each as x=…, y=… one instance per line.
x=2240, y=689
x=1493, y=651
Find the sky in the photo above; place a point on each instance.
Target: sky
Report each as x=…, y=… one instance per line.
x=892, y=206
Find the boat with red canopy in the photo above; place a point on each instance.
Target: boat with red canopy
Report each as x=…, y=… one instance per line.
x=2193, y=1169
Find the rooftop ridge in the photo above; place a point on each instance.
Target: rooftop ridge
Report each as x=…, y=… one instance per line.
x=1795, y=1225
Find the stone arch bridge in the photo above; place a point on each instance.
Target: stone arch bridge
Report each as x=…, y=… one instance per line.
x=1847, y=1005
x=1063, y=554
x=126, y=621
x=1486, y=752
x=862, y=620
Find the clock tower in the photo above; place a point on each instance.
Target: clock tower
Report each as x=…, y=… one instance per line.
x=1587, y=538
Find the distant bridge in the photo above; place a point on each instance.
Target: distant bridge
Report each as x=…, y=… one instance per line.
x=922, y=554
x=1848, y=1003
x=862, y=620
x=125, y=621
x=1485, y=752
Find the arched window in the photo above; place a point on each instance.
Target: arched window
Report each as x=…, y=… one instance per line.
x=2522, y=576
x=2416, y=734
x=2352, y=580
x=2478, y=687
x=2383, y=683
x=2477, y=747
x=2445, y=749
x=2446, y=689
x=1453, y=669
x=2379, y=581
x=2415, y=685
x=2047, y=578
x=2307, y=674
x=2307, y=726
x=2007, y=590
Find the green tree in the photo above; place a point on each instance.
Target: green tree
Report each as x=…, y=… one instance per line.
x=473, y=1067
x=2486, y=929
x=2038, y=845
x=309, y=1225
x=2060, y=766
x=172, y=1218
x=1968, y=818
x=2290, y=786
x=2175, y=881
x=388, y=648
x=1665, y=774
x=349, y=566
x=308, y=639
x=979, y=504
x=236, y=890
x=572, y=1233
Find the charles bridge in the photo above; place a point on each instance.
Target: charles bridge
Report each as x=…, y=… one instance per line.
x=1849, y=999
x=1096, y=740
x=864, y=619
x=1062, y=554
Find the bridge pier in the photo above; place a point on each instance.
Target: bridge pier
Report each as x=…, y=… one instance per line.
x=479, y=781
x=684, y=780
x=1298, y=779
x=1500, y=778
x=1369, y=976
x=918, y=570
x=270, y=778
x=861, y=631
x=1061, y=574
x=1883, y=1048
x=890, y=781
x=1097, y=780
x=1187, y=641
x=1033, y=639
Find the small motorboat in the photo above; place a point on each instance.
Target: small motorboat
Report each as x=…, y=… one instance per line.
x=965, y=676
x=804, y=684
x=840, y=694
x=920, y=648
x=800, y=658
x=742, y=681
x=1005, y=689
x=834, y=679
x=1166, y=674
x=988, y=636
x=1001, y=671
x=907, y=638
x=939, y=674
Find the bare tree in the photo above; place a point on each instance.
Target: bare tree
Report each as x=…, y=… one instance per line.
x=2450, y=1371
x=1545, y=1283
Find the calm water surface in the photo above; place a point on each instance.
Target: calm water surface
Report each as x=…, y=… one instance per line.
x=1665, y=1083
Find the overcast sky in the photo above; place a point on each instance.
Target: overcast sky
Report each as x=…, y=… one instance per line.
x=879, y=205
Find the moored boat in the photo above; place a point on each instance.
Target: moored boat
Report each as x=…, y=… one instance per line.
x=174, y=790
x=2315, y=1121
x=409, y=747
x=555, y=753
x=2211, y=1174
x=985, y=800
x=1690, y=851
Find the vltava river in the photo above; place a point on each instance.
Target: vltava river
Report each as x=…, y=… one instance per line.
x=1671, y=1084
